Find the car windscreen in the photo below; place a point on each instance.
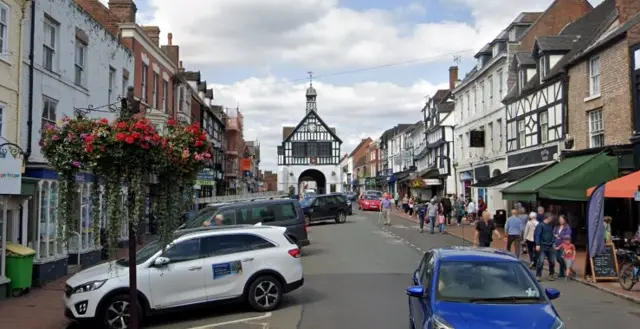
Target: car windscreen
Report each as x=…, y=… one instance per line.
x=144, y=253
x=371, y=197
x=486, y=282
x=200, y=217
x=306, y=202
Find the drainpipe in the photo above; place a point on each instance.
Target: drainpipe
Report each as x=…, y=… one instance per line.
x=31, y=63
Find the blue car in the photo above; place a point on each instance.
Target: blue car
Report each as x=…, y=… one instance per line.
x=472, y=288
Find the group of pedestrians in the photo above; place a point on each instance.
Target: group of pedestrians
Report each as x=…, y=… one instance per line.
x=545, y=237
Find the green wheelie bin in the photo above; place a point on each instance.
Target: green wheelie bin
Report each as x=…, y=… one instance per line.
x=19, y=268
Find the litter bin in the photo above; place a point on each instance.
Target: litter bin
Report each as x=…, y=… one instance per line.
x=19, y=268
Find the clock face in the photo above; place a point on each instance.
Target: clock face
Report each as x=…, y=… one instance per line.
x=312, y=128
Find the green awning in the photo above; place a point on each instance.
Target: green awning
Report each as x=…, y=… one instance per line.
x=567, y=180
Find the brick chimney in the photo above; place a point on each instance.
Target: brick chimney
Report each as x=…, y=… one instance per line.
x=453, y=77
x=153, y=32
x=180, y=67
x=124, y=10
x=171, y=50
x=627, y=9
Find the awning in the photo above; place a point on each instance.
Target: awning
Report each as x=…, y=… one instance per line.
x=400, y=176
x=466, y=176
x=508, y=177
x=623, y=187
x=566, y=180
x=428, y=173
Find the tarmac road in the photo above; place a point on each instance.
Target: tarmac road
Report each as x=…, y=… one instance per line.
x=355, y=277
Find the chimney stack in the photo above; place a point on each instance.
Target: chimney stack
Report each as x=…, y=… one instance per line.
x=627, y=9
x=153, y=32
x=453, y=77
x=171, y=50
x=180, y=67
x=124, y=10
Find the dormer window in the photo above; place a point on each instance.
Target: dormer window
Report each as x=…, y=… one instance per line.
x=543, y=67
x=512, y=35
x=496, y=50
x=522, y=78
x=480, y=62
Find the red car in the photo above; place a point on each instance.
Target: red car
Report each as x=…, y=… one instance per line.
x=369, y=202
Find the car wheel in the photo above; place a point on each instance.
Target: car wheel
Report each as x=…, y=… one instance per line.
x=341, y=217
x=307, y=220
x=115, y=314
x=265, y=294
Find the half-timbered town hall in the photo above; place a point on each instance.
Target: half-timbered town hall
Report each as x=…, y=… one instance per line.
x=310, y=152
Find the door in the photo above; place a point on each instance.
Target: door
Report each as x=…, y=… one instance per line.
x=420, y=307
x=230, y=260
x=319, y=209
x=333, y=205
x=182, y=281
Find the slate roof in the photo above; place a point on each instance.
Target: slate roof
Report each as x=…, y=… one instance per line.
x=440, y=95
x=209, y=93
x=589, y=27
x=286, y=131
x=556, y=43
x=524, y=58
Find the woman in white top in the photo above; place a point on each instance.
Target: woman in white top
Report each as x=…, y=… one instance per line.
x=471, y=211
x=529, y=237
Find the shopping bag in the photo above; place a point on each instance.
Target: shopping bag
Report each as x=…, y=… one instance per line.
x=440, y=219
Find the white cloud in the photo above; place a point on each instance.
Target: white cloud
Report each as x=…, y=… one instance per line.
x=357, y=111
x=322, y=35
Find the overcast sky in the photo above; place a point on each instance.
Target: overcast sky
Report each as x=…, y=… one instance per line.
x=256, y=54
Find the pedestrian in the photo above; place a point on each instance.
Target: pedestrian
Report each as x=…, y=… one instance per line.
x=405, y=203
x=524, y=217
x=458, y=209
x=560, y=233
x=471, y=211
x=422, y=214
x=481, y=207
x=385, y=207
x=513, y=229
x=441, y=218
x=432, y=212
x=485, y=230
x=544, y=239
x=529, y=237
x=568, y=256
x=446, y=206
x=396, y=199
x=411, y=204
x=540, y=214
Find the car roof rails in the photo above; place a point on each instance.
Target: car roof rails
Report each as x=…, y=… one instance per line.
x=220, y=200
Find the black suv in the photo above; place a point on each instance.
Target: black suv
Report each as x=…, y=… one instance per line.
x=325, y=207
x=347, y=200
x=277, y=212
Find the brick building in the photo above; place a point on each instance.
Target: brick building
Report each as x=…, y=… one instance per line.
x=270, y=181
x=600, y=86
x=358, y=156
x=234, y=149
x=154, y=67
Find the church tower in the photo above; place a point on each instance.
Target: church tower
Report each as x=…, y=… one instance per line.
x=311, y=95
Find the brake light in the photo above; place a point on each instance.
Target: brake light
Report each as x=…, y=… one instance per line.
x=295, y=253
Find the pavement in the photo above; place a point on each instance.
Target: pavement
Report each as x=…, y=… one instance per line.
x=356, y=274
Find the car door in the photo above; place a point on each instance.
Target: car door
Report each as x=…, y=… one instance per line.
x=319, y=209
x=230, y=260
x=333, y=205
x=420, y=307
x=182, y=281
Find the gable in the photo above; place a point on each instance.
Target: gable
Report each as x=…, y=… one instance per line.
x=319, y=127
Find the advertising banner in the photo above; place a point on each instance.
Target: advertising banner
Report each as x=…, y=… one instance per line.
x=10, y=173
x=595, y=221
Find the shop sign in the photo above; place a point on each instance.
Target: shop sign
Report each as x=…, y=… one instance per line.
x=532, y=157
x=206, y=177
x=417, y=183
x=431, y=181
x=10, y=174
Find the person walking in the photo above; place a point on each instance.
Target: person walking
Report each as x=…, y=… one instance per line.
x=485, y=230
x=411, y=204
x=471, y=211
x=432, y=212
x=529, y=230
x=458, y=206
x=513, y=229
x=568, y=256
x=396, y=199
x=422, y=214
x=561, y=232
x=544, y=240
x=405, y=204
x=441, y=217
x=446, y=209
x=385, y=207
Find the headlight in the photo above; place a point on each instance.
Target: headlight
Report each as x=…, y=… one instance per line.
x=440, y=323
x=89, y=286
x=558, y=324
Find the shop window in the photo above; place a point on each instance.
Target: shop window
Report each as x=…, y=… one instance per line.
x=48, y=245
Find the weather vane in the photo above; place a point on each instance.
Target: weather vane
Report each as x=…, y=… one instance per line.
x=456, y=59
x=310, y=78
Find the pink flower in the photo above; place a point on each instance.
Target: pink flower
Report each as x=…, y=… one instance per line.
x=198, y=157
x=76, y=164
x=55, y=137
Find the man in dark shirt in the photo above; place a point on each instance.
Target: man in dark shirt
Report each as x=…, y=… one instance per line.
x=485, y=229
x=543, y=236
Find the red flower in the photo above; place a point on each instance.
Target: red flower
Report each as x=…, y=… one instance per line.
x=171, y=122
x=129, y=140
x=103, y=121
x=198, y=143
x=135, y=135
x=121, y=125
x=121, y=136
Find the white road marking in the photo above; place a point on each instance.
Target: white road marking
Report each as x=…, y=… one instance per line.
x=401, y=239
x=213, y=325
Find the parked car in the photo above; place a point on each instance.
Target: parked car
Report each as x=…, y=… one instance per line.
x=346, y=198
x=352, y=196
x=378, y=194
x=276, y=212
x=244, y=263
x=369, y=202
x=463, y=288
x=325, y=207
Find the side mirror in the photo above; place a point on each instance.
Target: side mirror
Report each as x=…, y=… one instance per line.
x=161, y=261
x=415, y=291
x=552, y=293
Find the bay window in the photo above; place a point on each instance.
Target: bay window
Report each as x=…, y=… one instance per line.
x=48, y=245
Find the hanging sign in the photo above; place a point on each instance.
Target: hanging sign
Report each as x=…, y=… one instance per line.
x=10, y=173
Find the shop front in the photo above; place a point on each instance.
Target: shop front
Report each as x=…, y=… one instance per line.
x=15, y=192
x=466, y=180
x=560, y=187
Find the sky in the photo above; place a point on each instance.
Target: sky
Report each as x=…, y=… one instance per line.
x=375, y=61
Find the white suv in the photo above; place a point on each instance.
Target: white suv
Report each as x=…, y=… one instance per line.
x=250, y=263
